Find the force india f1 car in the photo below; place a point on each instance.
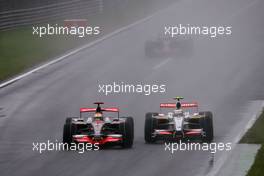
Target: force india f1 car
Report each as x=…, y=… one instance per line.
x=179, y=124
x=164, y=47
x=99, y=129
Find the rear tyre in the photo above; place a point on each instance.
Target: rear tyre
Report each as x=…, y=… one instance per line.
x=127, y=129
x=68, y=120
x=150, y=125
x=206, y=123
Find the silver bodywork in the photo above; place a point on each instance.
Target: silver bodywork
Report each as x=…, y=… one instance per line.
x=98, y=124
x=177, y=122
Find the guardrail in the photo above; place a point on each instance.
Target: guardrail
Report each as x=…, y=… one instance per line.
x=62, y=10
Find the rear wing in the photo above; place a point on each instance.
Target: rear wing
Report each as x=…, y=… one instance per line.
x=83, y=110
x=102, y=109
x=183, y=105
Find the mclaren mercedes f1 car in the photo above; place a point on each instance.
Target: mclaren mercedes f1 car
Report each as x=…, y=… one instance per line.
x=99, y=129
x=179, y=124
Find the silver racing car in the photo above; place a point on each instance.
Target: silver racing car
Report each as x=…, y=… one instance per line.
x=179, y=124
x=99, y=128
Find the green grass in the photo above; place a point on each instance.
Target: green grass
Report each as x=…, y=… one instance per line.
x=257, y=168
x=20, y=50
x=256, y=136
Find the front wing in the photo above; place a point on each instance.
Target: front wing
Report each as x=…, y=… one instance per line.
x=160, y=133
x=97, y=140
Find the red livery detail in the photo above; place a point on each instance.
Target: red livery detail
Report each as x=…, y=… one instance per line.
x=87, y=109
x=111, y=109
x=193, y=133
x=168, y=105
x=165, y=132
x=189, y=105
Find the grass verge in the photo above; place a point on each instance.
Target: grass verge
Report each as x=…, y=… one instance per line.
x=255, y=136
x=20, y=50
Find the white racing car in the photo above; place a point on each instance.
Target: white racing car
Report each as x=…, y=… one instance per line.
x=179, y=123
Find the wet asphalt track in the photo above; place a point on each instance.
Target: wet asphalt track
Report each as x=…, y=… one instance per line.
x=223, y=75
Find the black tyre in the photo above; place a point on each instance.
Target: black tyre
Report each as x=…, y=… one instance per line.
x=127, y=130
x=68, y=120
x=150, y=125
x=206, y=123
x=69, y=129
x=67, y=137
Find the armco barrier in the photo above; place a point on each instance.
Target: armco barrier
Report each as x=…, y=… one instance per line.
x=56, y=11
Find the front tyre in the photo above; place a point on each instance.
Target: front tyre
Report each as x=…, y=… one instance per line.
x=206, y=123
x=128, y=132
x=67, y=137
x=69, y=129
x=68, y=120
x=150, y=125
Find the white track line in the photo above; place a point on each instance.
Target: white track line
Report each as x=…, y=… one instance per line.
x=6, y=83
x=222, y=160
x=162, y=63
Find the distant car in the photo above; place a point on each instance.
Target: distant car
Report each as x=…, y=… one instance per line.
x=179, y=124
x=99, y=129
x=164, y=47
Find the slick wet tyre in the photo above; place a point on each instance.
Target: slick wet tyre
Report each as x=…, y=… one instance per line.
x=206, y=123
x=150, y=125
x=69, y=129
x=68, y=120
x=67, y=137
x=127, y=129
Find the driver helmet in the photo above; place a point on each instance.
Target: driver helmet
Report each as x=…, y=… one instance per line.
x=98, y=116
